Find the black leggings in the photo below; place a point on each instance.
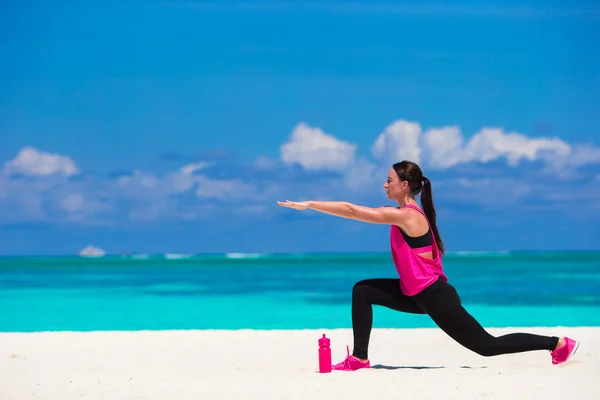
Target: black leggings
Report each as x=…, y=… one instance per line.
x=442, y=303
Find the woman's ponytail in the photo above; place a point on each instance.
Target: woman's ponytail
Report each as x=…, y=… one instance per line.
x=429, y=210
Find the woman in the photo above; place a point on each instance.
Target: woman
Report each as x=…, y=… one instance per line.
x=423, y=288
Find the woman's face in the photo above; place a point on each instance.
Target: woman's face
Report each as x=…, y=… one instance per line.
x=394, y=187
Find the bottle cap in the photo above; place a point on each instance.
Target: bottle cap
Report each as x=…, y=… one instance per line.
x=324, y=340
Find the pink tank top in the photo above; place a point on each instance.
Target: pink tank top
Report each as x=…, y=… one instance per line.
x=416, y=272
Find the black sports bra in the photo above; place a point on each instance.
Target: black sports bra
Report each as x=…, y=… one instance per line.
x=417, y=241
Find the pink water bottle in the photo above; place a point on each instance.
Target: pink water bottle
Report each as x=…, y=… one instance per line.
x=324, y=355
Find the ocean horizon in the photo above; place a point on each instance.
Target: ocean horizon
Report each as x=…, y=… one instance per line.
x=283, y=291
x=241, y=254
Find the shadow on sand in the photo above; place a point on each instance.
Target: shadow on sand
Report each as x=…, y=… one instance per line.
x=390, y=367
x=379, y=366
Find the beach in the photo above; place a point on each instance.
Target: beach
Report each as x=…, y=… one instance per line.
x=216, y=327
x=283, y=364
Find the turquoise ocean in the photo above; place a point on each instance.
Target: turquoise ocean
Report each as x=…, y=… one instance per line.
x=279, y=291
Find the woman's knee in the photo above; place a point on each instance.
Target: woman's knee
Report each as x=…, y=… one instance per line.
x=359, y=287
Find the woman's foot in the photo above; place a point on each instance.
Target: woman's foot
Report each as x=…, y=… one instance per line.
x=351, y=363
x=564, y=350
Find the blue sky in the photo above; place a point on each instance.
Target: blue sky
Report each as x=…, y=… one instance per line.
x=176, y=126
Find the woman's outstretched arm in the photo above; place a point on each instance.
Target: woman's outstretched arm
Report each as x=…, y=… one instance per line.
x=344, y=209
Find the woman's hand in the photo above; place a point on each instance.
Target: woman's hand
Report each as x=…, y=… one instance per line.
x=296, y=205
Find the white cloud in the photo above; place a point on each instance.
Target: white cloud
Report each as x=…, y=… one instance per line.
x=315, y=150
x=265, y=163
x=72, y=202
x=181, y=182
x=580, y=155
x=437, y=148
x=191, y=168
x=52, y=199
x=398, y=141
x=138, y=178
x=21, y=200
x=47, y=196
x=491, y=144
x=224, y=189
x=184, y=179
x=81, y=207
x=33, y=162
x=444, y=147
x=155, y=190
x=361, y=175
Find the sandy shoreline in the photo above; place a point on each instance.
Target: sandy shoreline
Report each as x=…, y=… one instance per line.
x=408, y=364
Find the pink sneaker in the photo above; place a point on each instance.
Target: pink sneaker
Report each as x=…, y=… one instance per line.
x=351, y=363
x=564, y=353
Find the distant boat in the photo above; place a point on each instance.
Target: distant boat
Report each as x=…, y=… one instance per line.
x=91, y=251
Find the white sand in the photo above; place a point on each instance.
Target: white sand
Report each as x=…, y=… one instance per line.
x=416, y=364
